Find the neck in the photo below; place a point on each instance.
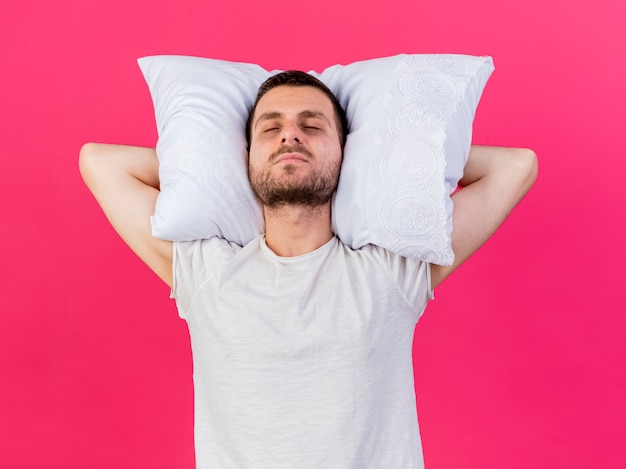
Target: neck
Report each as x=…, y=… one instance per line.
x=293, y=230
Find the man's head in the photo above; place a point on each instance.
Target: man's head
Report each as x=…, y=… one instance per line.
x=298, y=78
x=296, y=133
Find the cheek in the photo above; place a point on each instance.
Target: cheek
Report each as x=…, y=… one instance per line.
x=332, y=153
x=254, y=156
x=252, y=164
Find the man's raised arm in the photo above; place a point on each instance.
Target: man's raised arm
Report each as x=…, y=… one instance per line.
x=125, y=182
x=495, y=179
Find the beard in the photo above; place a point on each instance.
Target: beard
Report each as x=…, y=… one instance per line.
x=313, y=190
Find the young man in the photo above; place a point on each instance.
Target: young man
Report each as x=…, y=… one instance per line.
x=301, y=346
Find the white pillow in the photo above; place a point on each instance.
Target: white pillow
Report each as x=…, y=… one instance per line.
x=410, y=125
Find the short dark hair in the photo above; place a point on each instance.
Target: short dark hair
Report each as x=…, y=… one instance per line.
x=299, y=78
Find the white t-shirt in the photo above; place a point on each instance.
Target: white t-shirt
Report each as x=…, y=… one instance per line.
x=301, y=362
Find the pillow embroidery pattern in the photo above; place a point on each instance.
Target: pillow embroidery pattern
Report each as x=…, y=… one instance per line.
x=405, y=158
x=419, y=109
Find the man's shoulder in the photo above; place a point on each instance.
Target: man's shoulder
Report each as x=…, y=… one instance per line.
x=380, y=255
x=385, y=267
x=370, y=250
x=214, y=248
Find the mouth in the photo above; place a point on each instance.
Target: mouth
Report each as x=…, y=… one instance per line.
x=292, y=157
x=291, y=154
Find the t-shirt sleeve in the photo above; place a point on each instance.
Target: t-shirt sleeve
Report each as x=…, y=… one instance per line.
x=188, y=269
x=194, y=266
x=413, y=280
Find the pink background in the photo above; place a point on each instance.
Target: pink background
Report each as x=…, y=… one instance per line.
x=520, y=361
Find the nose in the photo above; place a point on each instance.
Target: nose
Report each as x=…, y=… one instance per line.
x=290, y=134
x=295, y=139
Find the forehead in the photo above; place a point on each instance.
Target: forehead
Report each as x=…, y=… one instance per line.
x=295, y=99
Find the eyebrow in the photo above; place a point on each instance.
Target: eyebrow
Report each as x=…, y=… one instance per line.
x=307, y=114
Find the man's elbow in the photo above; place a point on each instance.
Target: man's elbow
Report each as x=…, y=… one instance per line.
x=88, y=158
x=526, y=167
x=85, y=160
x=85, y=157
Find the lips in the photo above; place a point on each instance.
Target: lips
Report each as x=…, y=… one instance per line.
x=292, y=153
x=292, y=156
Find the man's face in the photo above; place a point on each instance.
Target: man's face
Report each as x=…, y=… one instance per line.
x=295, y=154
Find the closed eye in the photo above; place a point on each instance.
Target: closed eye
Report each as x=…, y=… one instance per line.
x=313, y=127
